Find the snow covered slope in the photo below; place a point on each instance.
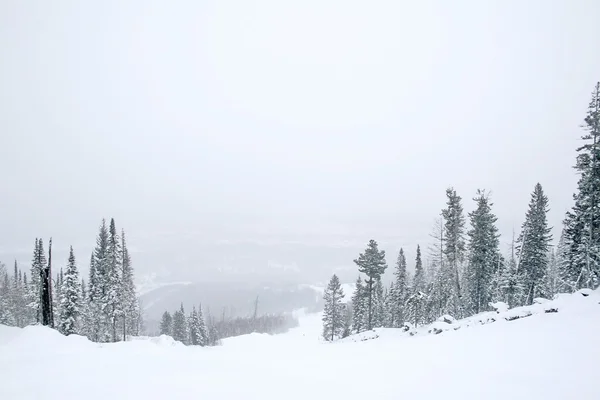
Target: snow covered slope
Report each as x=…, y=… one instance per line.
x=543, y=356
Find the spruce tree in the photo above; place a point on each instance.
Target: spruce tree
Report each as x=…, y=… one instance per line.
x=333, y=313
x=128, y=298
x=38, y=262
x=166, y=324
x=180, y=332
x=70, y=310
x=379, y=305
x=533, y=246
x=6, y=316
x=99, y=290
x=112, y=299
x=202, y=328
x=454, y=249
x=400, y=292
x=372, y=264
x=583, y=221
x=417, y=298
x=359, y=307
x=483, y=254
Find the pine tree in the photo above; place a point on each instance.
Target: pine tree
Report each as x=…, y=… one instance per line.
x=483, y=254
x=6, y=316
x=70, y=310
x=99, y=291
x=111, y=301
x=128, y=298
x=333, y=313
x=534, y=246
x=166, y=324
x=371, y=263
x=202, y=329
x=417, y=298
x=379, y=305
x=400, y=291
x=46, y=306
x=38, y=262
x=583, y=221
x=180, y=326
x=359, y=307
x=454, y=250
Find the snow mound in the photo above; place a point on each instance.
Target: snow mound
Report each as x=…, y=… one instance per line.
x=581, y=301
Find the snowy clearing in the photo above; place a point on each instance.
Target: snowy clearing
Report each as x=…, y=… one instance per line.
x=543, y=356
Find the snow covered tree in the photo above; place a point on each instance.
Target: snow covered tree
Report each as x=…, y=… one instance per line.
x=333, y=313
x=347, y=317
x=417, y=298
x=166, y=324
x=6, y=315
x=180, y=332
x=111, y=299
x=399, y=293
x=70, y=309
x=35, y=286
x=533, y=246
x=419, y=279
x=371, y=263
x=359, y=307
x=46, y=306
x=483, y=254
x=583, y=221
x=379, y=300
x=128, y=299
x=454, y=249
x=99, y=289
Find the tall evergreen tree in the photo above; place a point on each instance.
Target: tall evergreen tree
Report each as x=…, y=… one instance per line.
x=359, y=307
x=400, y=292
x=583, y=221
x=38, y=262
x=372, y=264
x=112, y=303
x=417, y=298
x=128, y=298
x=483, y=254
x=454, y=249
x=180, y=332
x=99, y=290
x=534, y=246
x=333, y=313
x=70, y=310
x=379, y=305
x=166, y=324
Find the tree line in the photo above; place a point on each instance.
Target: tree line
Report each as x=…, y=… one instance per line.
x=467, y=273
x=196, y=330
x=105, y=308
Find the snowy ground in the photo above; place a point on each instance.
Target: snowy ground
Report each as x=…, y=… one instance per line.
x=544, y=356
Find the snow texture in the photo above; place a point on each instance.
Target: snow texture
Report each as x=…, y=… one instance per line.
x=544, y=351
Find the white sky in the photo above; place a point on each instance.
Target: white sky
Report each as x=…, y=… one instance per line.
x=230, y=118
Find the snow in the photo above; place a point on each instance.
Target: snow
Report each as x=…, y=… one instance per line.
x=542, y=356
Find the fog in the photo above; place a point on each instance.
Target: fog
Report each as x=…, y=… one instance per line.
x=232, y=138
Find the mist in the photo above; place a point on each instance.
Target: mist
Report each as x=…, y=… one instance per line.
x=269, y=140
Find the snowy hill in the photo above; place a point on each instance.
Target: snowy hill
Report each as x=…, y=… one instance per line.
x=547, y=355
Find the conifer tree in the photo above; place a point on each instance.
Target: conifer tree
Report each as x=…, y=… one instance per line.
x=128, y=299
x=38, y=262
x=166, y=324
x=454, y=250
x=70, y=310
x=417, y=298
x=533, y=246
x=371, y=263
x=400, y=292
x=359, y=307
x=180, y=332
x=379, y=305
x=202, y=328
x=111, y=300
x=333, y=313
x=6, y=316
x=483, y=254
x=583, y=221
x=99, y=288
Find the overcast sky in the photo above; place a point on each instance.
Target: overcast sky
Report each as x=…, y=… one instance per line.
x=235, y=119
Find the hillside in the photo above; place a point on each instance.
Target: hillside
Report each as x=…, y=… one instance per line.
x=546, y=355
